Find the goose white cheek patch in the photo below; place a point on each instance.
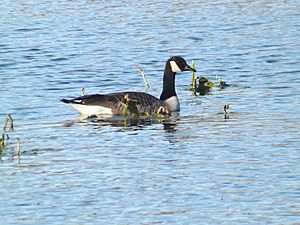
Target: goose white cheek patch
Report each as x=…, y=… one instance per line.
x=174, y=67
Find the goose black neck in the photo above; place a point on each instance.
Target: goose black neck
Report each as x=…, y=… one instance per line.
x=168, y=83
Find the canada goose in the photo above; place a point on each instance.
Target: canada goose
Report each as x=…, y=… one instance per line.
x=113, y=103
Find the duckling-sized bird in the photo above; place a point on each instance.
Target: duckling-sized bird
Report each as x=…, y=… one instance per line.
x=114, y=103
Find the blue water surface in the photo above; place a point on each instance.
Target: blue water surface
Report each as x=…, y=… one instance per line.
x=194, y=168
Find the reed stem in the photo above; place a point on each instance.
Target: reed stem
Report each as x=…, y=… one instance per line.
x=193, y=76
x=143, y=75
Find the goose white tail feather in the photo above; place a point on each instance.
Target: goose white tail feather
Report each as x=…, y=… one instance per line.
x=91, y=109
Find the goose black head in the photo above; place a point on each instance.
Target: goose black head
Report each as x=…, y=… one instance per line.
x=178, y=64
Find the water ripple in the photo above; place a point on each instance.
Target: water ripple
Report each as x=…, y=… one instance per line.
x=193, y=168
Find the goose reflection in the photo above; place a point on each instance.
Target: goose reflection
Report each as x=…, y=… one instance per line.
x=169, y=123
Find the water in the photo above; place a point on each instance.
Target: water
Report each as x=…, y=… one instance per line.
x=196, y=169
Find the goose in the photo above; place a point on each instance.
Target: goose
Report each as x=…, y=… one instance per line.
x=113, y=103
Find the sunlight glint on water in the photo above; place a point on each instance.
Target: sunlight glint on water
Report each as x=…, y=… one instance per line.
x=196, y=168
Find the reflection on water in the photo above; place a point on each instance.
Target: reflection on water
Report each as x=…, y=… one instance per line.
x=120, y=121
x=192, y=168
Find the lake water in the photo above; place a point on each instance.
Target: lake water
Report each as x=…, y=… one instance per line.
x=194, y=168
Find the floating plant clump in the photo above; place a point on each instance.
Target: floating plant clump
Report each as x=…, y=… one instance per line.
x=130, y=107
x=133, y=107
x=202, y=86
x=132, y=115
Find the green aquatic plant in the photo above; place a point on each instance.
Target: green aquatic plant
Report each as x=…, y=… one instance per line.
x=193, y=75
x=5, y=145
x=18, y=147
x=8, y=126
x=130, y=107
x=202, y=85
x=132, y=114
